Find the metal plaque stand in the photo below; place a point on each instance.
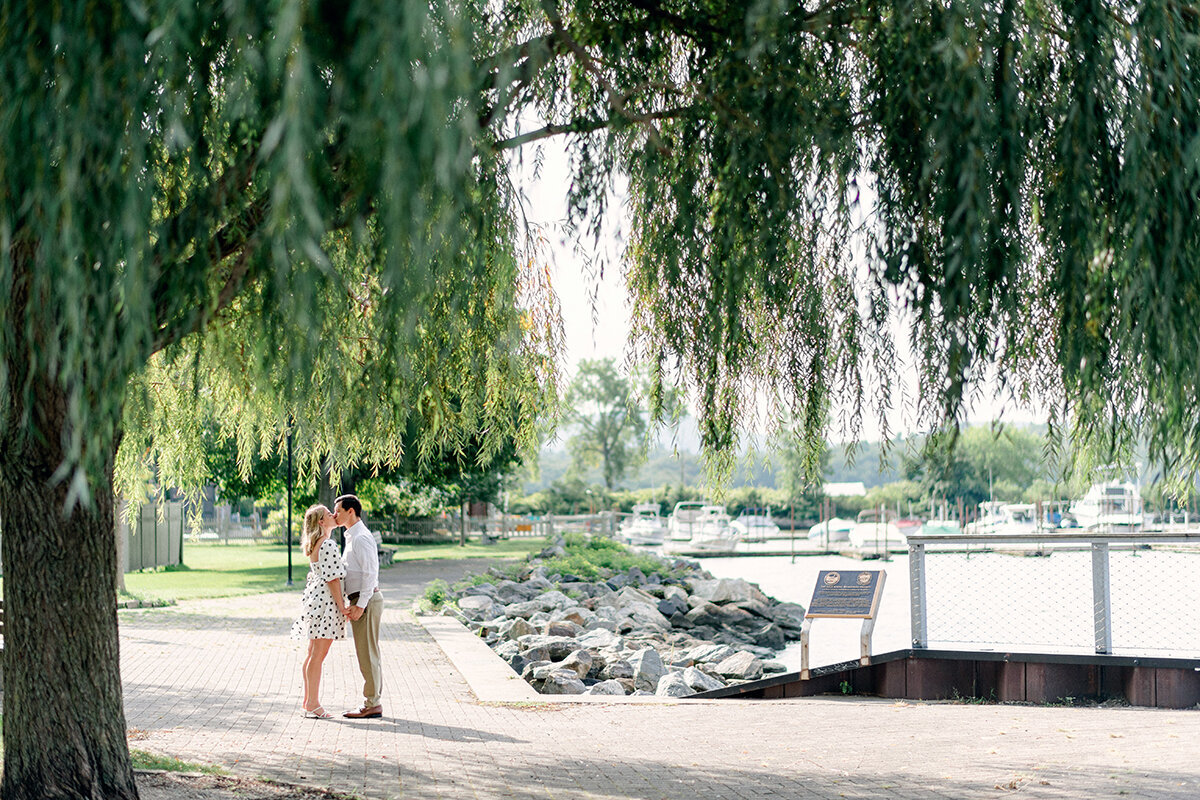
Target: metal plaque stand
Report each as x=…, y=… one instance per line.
x=864, y=638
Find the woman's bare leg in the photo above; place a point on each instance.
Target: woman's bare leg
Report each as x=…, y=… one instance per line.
x=317, y=650
x=308, y=656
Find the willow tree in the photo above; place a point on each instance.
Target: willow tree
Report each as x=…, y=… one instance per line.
x=305, y=205
x=1019, y=182
x=267, y=214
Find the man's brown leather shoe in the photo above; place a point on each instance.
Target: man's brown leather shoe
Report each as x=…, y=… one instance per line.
x=365, y=712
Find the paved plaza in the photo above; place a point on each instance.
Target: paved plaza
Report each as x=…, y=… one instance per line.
x=218, y=681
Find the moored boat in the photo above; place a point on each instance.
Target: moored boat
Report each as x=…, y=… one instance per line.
x=755, y=527
x=831, y=530
x=1110, y=506
x=877, y=532
x=682, y=522
x=645, y=527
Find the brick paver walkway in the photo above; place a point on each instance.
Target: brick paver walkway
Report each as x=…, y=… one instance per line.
x=218, y=682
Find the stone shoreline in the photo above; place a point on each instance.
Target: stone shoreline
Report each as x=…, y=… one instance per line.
x=629, y=633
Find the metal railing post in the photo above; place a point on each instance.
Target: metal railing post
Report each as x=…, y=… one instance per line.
x=916, y=577
x=1101, y=597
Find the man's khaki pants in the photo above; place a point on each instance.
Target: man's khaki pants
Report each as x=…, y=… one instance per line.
x=366, y=645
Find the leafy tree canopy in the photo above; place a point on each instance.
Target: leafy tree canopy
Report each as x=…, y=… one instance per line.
x=609, y=420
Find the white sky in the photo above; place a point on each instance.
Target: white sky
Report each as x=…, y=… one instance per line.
x=595, y=309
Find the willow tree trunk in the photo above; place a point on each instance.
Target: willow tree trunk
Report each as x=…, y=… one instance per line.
x=64, y=717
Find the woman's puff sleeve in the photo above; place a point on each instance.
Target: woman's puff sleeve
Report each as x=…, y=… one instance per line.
x=330, y=562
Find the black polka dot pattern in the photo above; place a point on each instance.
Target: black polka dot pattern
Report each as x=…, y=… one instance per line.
x=320, y=618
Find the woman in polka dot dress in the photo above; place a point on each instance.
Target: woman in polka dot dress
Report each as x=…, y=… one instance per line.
x=322, y=615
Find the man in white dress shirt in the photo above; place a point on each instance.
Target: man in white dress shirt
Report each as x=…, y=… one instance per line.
x=366, y=602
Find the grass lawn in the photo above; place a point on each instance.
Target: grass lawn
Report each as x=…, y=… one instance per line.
x=219, y=570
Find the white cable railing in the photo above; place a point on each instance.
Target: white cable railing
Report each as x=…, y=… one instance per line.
x=1126, y=593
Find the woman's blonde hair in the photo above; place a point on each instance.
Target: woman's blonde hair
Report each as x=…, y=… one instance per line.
x=312, y=527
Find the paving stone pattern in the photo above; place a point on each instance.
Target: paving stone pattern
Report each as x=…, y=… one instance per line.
x=218, y=682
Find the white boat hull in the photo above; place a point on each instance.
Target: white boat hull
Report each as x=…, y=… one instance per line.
x=877, y=536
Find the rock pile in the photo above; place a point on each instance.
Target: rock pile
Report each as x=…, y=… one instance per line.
x=630, y=633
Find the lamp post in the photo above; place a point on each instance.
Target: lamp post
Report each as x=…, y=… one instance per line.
x=288, y=536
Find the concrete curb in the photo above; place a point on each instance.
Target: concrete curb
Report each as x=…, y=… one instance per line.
x=493, y=681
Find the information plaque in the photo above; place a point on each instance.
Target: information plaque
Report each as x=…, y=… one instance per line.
x=848, y=594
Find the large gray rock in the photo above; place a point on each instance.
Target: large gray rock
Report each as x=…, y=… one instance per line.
x=531, y=668
x=559, y=647
x=762, y=610
x=648, y=668
x=562, y=628
x=478, y=607
x=483, y=589
x=619, y=668
x=601, y=624
x=539, y=653
x=740, y=666
x=769, y=636
x=599, y=638
x=608, y=612
x=577, y=615
x=599, y=591
x=631, y=596
x=706, y=614
x=709, y=653
x=673, y=605
x=770, y=667
x=728, y=590
x=788, y=615
x=543, y=671
x=538, y=582
x=737, y=617
x=701, y=681
x=673, y=685
x=491, y=627
x=547, y=602
x=606, y=687
x=669, y=591
x=513, y=592
x=563, y=681
x=579, y=662
x=680, y=621
x=507, y=650
x=643, y=616
x=734, y=638
x=516, y=628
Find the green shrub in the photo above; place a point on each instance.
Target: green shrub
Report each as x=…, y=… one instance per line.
x=437, y=593
x=598, y=557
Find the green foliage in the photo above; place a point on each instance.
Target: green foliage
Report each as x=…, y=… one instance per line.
x=264, y=478
x=597, y=557
x=1005, y=461
x=437, y=593
x=610, y=424
x=276, y=525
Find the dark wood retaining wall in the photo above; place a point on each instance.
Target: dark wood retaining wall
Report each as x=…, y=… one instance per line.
x=1002, y=677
